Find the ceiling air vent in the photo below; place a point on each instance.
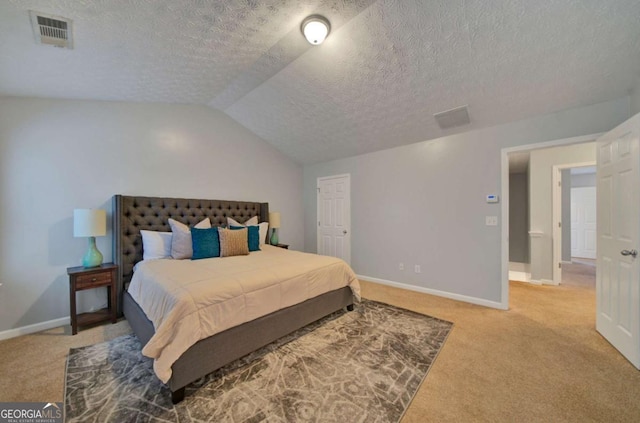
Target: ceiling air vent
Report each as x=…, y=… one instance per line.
x=51, y=30
x=452, y=118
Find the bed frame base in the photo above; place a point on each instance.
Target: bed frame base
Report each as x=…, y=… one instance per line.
x=209, y=354
x=177, y=396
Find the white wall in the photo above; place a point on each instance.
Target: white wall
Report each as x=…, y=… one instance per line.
x=583, y=180
x=58, y=155
x=424, y=203
x=541, y=194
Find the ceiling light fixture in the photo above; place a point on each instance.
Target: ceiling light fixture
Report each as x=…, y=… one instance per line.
x=315, y=29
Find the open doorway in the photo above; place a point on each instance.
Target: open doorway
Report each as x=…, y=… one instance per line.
x=537, y=265
x=574, y=214
x=552, y=209
x=618, y=233
x=578, y=236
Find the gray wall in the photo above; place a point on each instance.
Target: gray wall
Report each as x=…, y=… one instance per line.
x=519, y=217
x=425, y=203
x=634, y=98
x=59, y=155
x=566, y=215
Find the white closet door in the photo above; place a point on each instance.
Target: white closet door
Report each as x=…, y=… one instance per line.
x=583, y=222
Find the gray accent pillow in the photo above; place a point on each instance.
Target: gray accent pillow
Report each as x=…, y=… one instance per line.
x=250, y=222
x=181, y=247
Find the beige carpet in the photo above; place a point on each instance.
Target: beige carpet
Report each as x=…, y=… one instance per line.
x=541, y=361
x=580, y=272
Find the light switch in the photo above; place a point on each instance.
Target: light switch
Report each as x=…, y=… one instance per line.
x=491, y=220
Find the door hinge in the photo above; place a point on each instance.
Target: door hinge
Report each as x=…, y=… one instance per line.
x=559, y=224
x=318, y=223
x=559, y=265
x=318, y=190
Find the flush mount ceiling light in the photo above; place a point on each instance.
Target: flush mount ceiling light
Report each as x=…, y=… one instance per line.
x=315, y=29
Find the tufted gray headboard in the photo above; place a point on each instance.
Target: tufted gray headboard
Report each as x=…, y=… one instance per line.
x=131, y=214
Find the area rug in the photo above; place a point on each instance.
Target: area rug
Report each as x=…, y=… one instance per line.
x=360, y=366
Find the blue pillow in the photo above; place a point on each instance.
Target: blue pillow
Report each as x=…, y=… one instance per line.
x=253, y=235
x=205, y=243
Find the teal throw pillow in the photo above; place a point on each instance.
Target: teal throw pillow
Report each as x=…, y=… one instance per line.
x=205, y=242
x=253, y=236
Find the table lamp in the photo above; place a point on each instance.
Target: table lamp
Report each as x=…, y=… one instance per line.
x=90, y=223
x=274, y=222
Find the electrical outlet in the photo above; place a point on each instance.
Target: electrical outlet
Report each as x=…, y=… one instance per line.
x=417, y=268
x=401, y=266
x=491, y=220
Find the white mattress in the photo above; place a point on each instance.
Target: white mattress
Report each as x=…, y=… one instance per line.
x=189, y=300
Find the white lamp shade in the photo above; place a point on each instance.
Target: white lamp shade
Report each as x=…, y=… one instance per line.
x=274, y=219
x=315, y=29
x=89, y=222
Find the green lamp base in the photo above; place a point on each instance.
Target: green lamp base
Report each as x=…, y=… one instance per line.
x=93, y=257
x=274, y=237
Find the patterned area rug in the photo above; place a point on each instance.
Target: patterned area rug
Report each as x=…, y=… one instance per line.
x=361, y=366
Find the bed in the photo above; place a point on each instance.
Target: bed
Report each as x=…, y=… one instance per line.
x=132, y=214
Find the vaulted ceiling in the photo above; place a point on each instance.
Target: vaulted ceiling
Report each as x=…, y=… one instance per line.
x=375, y=83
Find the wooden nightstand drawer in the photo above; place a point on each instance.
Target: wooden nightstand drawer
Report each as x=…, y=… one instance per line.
x=91, y=280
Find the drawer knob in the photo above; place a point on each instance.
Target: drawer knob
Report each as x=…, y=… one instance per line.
x=93, y=279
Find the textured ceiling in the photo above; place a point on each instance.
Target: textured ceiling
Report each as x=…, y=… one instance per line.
x=376, y=82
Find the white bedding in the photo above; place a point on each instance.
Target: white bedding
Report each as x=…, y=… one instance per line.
x=189, y=300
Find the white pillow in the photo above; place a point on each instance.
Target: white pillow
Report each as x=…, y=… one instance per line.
x=264, y=231
x=264, y=226
x=156, y=245
x=251, y=222
x=181, y=247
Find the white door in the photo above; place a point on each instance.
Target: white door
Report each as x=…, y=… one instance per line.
x=583, y=222
x=617, y=278
x=334, y=216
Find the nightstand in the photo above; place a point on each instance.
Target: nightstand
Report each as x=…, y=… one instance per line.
x=285, y=246
x=81, y=278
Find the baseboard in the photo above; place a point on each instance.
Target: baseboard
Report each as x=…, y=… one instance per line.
x=520, y=267
x=519, y=276
x=566, y=262
x=36, y=327
x=445, y=294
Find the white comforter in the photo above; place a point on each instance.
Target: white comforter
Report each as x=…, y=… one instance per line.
x=190, y=300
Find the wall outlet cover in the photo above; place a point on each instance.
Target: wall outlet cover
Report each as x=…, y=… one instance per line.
x=491, y=220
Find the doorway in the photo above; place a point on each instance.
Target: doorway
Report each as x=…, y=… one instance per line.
x=574, y=214
x=618, y=234
x=578, y=227
x=539, y=230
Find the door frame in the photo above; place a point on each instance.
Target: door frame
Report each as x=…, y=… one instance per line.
x=556, y=217
x=318, y=237
x=504, y=183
